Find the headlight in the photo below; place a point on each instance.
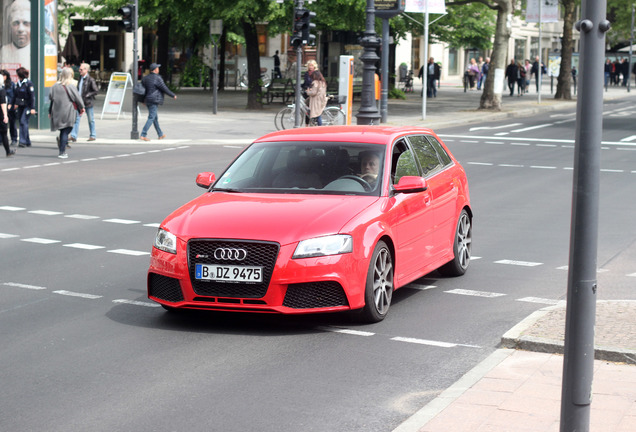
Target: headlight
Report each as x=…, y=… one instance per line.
x=166, y=241
x=323, y=246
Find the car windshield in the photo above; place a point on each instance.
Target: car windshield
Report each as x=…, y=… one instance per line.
x=306, y=167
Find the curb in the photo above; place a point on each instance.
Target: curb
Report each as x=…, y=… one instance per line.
x=515, y=339
x=452, y=393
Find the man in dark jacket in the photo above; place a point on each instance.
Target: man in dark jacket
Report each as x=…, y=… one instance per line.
x=88, y=89
x=512, y=73
x=155, y=89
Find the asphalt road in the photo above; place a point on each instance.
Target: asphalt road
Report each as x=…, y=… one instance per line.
x=82, y=348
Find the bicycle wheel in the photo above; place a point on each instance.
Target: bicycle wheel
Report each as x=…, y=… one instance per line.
x=287, y=118
x=333, y=116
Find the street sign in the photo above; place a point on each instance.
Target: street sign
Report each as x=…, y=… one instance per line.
x=216, y=27
x=388, y=8
x=96, y=28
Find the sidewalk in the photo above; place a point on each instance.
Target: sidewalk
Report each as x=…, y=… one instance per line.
x=512, y=390
x=520, y=390
x=189, y=119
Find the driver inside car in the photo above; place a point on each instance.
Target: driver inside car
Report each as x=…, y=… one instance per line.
x=369, y=166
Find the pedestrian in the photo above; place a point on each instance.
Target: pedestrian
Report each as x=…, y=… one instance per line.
x=574, y=73
x=521, y=79
x=87, y=88
x=24, y=99
x=433, y=72
x=608, y=72
x=311, y=67
x=528, y=67
x=4, y=116
x=9, y=87
x=277, y=73
x=484, y=71
x=473, y=73
x=625, y=71
x=317, y=96
x=512, y=72
x=480, y=63
x=155, y=89
x=537, y=69
x=66, y=104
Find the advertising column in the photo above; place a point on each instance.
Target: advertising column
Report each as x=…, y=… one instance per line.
x=29, y=40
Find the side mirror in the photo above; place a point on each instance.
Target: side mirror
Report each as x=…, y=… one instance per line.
x=411, y=184
x=205, y=179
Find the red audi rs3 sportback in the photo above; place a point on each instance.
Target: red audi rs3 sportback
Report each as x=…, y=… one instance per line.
x=318, y=219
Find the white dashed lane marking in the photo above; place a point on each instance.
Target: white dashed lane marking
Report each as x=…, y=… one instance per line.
x=431, y=342
x=519, y=263
x=40, y=240
x=45, y=212
x=11, y=208
x=25, y=286
x=83, y=246
x=539, y=300
x=475, y=293
x=76, y=294
x=136, y=303
x=129, y=252
x=122, y=221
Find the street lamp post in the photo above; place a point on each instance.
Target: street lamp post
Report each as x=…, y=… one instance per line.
x=134, y=133
x=368, y=113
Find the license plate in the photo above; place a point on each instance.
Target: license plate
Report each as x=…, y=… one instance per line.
x=228, y=273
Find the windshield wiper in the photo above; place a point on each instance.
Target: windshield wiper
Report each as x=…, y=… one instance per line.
x=226, y=190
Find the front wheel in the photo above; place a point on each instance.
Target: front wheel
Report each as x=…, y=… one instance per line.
x=462, y=247
x=379, y=287
x=333, y=116
x=287, y=118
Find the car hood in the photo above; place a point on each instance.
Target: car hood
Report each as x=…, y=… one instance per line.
x=271, y=217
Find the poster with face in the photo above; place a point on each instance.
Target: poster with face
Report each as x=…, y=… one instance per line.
x=16, y=35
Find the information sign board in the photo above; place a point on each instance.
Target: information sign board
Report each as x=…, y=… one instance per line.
x=116, y=93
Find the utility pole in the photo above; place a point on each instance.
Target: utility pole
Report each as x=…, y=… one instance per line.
x=368, y=113
x=578, y=360
x=134, y=133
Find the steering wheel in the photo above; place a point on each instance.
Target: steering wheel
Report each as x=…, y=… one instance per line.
x=367, y=187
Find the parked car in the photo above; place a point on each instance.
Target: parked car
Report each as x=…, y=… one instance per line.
x=317, y=220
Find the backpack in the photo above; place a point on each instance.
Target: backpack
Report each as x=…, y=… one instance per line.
x=139, y=90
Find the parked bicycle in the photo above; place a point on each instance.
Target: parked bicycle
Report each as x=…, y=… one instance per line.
x=265, y=78
x=331, y=116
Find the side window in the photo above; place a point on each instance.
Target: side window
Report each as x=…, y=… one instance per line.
x=425, y=154
x=402, y=163
x=443, y=155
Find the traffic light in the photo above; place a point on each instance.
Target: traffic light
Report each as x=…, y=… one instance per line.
x=308, y=26
x=297, y=30
x=127, y=13
x=302, y=28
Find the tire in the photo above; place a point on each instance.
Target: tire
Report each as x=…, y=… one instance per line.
x=333, y=116
x=462, y=247
x=287, y=118
x=379, y=287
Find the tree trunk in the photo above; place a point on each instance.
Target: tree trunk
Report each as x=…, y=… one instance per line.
x=221, y=52
x=163, y=48
x=491, y=97
x=253, y=66
x=564, y=82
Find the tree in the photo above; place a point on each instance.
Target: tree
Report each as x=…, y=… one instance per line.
x=564, y=81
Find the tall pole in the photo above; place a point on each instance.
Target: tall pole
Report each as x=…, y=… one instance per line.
x=540, y=69
x=299, y=62
x=631, y=44
x=134, y=133
x=368, y=113
x=578, y=360
x=425, y=63
x=384, y=96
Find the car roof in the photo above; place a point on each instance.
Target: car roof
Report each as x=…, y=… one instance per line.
x=358, y=134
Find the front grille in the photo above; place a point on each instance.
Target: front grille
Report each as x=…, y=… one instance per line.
x=315, y=295
x=164, y=288
x=262, y=254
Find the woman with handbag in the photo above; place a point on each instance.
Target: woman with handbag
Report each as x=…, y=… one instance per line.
x=66, y=103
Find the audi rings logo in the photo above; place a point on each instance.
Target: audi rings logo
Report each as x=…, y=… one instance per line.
x=230, y=254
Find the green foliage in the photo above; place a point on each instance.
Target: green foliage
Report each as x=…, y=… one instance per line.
x=396, y=93
x=619, y=13
x=194, y=72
